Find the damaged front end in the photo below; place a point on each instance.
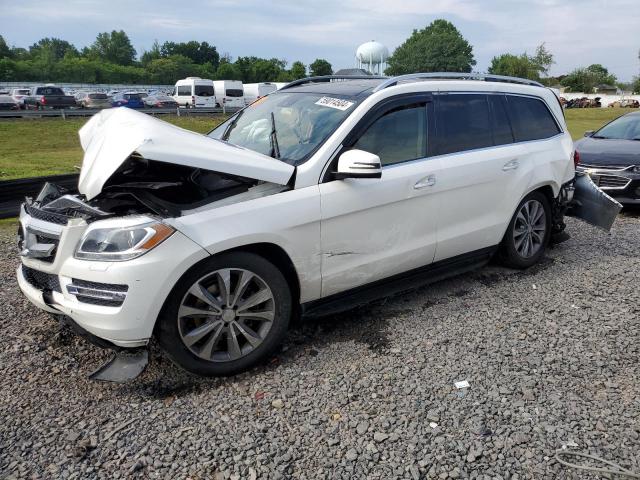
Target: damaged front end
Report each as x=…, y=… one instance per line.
x=137, y=172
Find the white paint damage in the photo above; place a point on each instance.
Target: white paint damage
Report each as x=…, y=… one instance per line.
x=111, y=136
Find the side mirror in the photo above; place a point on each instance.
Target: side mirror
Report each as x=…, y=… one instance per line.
x=358, y=164
x=588, y=133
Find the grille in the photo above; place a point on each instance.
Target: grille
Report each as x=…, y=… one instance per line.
x=48, y=240
x=46, y=216
x=41, y=280
x=604, y=167
x=612, y=181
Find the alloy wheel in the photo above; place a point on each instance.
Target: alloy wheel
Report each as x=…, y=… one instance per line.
x=226, y=315
x=529, y=229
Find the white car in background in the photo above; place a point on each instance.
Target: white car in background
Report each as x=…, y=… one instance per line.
x=324, y=195
x=18, y=95
x=254, y=91
x=194, y=92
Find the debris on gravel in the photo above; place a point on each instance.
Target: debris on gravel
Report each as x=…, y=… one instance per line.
x=366, y=394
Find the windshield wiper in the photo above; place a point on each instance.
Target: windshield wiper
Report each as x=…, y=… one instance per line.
x=273, y=138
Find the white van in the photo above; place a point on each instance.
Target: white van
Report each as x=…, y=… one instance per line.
x=253, y=91
x=229, y=93
x=194, y=92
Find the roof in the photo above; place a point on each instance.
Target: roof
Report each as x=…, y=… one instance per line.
x=352, y=71
x=348, y=88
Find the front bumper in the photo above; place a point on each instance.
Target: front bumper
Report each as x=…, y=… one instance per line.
x=149, y=280
x=622, y=183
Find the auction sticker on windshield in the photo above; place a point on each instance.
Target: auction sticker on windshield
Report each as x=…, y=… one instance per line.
x=337, y=103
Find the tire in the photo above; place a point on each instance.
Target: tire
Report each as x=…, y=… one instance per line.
x=526, y=240
x=180, y=331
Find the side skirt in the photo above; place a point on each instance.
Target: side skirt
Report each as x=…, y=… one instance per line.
x=402, y=282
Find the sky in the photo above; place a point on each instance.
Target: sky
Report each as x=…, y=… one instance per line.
x=577, y=32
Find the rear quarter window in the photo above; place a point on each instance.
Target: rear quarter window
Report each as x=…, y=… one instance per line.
x=530, y=119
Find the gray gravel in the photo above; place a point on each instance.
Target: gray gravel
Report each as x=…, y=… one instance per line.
x=551, y=356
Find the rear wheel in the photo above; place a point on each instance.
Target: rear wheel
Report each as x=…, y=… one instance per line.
x=225, y=315
x=528, y=233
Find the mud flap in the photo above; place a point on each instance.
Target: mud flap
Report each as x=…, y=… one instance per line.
x=591, y=204
x=122, y=367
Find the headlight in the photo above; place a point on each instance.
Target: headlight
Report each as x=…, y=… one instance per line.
x=119, y=243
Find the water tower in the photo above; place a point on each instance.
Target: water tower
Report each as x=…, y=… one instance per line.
x=372, y=56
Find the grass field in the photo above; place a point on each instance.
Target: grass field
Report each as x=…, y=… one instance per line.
x=49, y=146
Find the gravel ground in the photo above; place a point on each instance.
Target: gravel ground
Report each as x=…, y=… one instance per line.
x=551, y=356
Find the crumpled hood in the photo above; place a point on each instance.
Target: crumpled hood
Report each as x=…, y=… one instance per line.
x=111, y=136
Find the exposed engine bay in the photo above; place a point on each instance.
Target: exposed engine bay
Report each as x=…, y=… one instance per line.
x=146, y=186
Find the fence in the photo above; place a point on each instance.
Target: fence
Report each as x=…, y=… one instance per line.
x=87, y=112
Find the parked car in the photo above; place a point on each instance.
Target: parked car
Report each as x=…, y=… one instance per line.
x=93, y=100
x=611, y=157
x=18, y=95
x=193, y=92
x=229, y=93
x=254, y=91
x=48, y=96
x=127, y=99
x=322, y=196
x=160, y=101
x=7, y=102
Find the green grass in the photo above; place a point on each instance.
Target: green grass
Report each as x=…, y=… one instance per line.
x=49, y=146
x=579, y=120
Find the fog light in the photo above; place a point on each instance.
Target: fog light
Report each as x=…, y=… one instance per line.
x=106, y=294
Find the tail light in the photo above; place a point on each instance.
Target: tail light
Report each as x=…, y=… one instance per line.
x=193, y=99
x=43, y=100
x=576, y=158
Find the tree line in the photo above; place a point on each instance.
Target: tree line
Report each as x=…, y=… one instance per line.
x=111, y=58
x=440, y=47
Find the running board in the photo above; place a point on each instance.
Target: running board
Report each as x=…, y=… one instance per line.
x=402, y=282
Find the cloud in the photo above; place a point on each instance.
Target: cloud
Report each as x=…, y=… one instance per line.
x=577, y=32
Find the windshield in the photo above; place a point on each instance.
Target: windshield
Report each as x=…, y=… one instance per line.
x=302, y=123
x=623, y=128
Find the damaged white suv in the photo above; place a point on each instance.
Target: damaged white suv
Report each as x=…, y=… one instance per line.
x=325, y=194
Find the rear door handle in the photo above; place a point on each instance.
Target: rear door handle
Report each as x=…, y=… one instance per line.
x=511, y=165
x=428, y=181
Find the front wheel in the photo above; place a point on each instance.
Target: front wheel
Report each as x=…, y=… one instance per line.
x=527, y=235
x=225, y=315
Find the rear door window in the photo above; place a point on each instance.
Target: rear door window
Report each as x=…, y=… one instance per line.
x=234, y=92
x=463, y=123
x=530, y=119
x=184, y=90
x=49, y=91
x=203, y=90
x=398, y=135
x=500, y=124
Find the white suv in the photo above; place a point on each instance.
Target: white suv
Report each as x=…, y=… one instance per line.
x=324, y=194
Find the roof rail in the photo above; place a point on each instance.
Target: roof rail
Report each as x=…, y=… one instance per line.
x=328, y=78
x=390, y=82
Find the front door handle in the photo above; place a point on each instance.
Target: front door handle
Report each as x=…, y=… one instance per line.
x=428, y=181
x=511, y=165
